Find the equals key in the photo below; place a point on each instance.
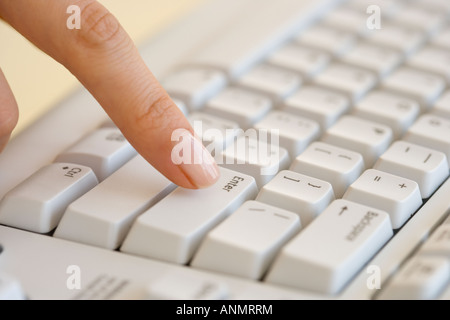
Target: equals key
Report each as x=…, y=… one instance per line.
x=398, y=196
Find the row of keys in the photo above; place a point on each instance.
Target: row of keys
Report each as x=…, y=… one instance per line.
x=105, y=150
x=427, y=168
x=338, y=86
x=102, y=207
x=362, y=135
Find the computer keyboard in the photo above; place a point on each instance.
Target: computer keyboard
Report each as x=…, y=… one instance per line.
x=348, y=200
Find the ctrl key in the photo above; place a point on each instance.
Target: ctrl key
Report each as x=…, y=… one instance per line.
x=332, y=249
x=38, y=203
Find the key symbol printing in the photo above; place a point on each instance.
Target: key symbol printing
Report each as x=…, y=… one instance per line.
x=378, y=130
x=343, y=209
x=71, y=172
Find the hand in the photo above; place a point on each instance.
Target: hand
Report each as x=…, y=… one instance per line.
x=104, y=59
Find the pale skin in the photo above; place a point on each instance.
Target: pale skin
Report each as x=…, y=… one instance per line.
x=104, y=59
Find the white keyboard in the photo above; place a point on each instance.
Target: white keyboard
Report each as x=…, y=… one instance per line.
x=353, y=204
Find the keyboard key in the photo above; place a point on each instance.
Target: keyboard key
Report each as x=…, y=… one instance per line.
x=318, y=104
x=420, y=17
x=419, y=85
x=368, y=138
x=173, y=229
x=256, y=157
x=295, y=192
x=239, y=105
x=427, y=167
x=216, y=133
x=432, y=59
x=398, y=196
x=381, y=60
x=104, y=150
x=442, y=106
x=309, y=62
x=10, y=288
x=438, y=244
x=395, y=111
x=432, y=132
x=331, y=40
x=194, y=86
x=338, y=166
x=276, y=82
x=348, y=19
x=421, y=278
x=309, y=262
x=353, y=81
x=108, y=124
x=252, y=235
x=186, y=287
x=295, y=133
x=103, y=216
x=38, y=203
x=401, y=37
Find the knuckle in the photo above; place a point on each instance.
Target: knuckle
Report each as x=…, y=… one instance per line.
x=98, y=25
x=158, y=114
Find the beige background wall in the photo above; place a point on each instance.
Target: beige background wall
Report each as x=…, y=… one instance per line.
x=39, y=83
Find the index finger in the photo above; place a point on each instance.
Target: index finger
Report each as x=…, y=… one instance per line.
x=104, y=59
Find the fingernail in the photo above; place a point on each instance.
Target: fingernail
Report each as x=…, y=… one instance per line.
x=194, y=160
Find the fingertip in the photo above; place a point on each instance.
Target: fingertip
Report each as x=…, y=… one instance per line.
x=189, y=164
x=9, y=113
